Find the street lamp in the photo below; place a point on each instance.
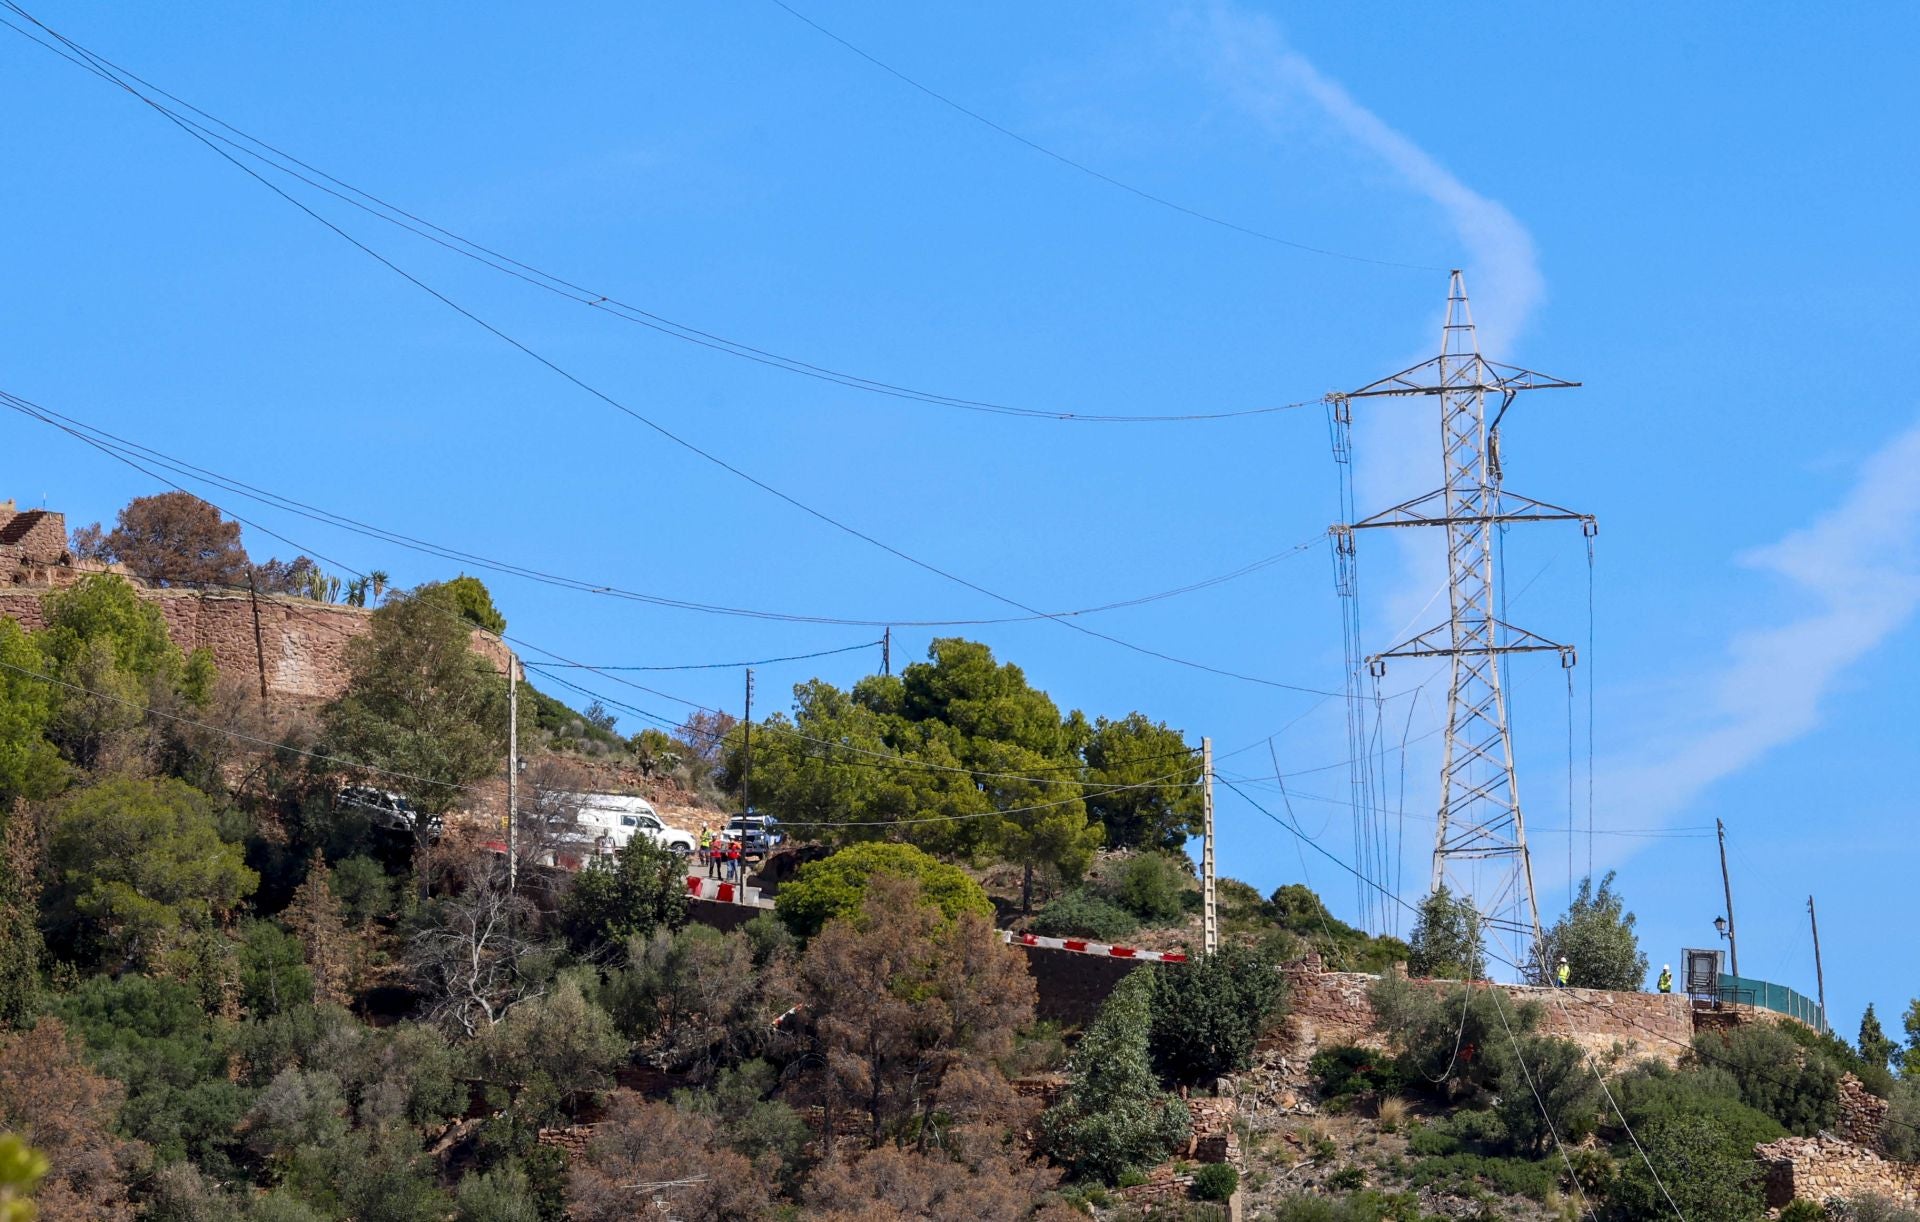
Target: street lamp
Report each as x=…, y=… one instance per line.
x=1720, y=925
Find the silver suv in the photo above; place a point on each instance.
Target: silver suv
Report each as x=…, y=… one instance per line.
x=386, y=810
x=757, y=834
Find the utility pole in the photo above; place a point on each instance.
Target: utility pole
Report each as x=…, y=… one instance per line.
x=1819, y=976
x=1480, y=818
x=513, y=771
x=259, y=640
x=1209, y=907
x=746, y=745
x=1733, y=942
x=886, y=652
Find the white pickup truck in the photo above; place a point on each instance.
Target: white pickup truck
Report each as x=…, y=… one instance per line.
x=617, y=818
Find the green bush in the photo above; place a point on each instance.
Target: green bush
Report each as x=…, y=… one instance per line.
x=644, y=889
x=1464, y=1173
x=836, y=886
x=1347, y=1069
x=1705, y=1176
x=1799, y=1089
x=502, y=1195
x=1563, y=1098
x=1842, y=1057
x=1878, y=1209
x=1803, y=1211
x=363, y=888
x=134, y=864
x=1298, y=911
x=1209, y=1012
x=1150, y=885
x=1654, y=1091
x=1215, y=1182
x=154, y=1036
x=1082, y=913
x=1347, y=1179
x=1900, y=1135
x=1454, y=1045
x=1432, y=1140
x=273, y=970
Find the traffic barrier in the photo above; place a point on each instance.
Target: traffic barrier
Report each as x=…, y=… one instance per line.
x=1082, y=946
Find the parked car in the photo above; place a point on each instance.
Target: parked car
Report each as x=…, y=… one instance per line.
x=758, y=834
x=618, y=818
x=385, y=810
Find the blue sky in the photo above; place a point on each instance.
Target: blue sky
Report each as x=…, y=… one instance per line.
x=1706, y=221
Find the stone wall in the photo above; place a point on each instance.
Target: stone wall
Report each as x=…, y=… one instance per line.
x=1823, y=1168
x=1070, y=987
x=1863, y=1115
x=30, y=541
x=1326, y=1008
x=572, y=1141
x=295, y=645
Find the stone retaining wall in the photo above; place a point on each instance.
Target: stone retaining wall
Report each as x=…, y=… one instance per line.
x=1863, y=1115
x=1820, y=1169
x=295, y=645
x=1327, y=1008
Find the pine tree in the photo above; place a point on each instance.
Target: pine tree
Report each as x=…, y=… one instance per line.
x=315, y=917
x=1875, y=1047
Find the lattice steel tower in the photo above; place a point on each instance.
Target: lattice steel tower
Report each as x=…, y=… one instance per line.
x=1480, y=819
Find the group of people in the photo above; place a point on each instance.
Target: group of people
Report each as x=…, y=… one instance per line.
x=723, y=854
x=1564, y=972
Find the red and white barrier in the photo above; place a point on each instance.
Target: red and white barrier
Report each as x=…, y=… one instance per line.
x=1081, y=946
x=724, y=892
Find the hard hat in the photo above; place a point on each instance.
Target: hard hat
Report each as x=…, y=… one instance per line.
x=1563, y=958
x=1666, y=967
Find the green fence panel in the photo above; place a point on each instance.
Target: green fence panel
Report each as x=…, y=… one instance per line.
x=1776, y=997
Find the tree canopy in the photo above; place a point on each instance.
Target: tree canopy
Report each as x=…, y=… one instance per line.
x=110, y=658
x=419, y=702
x=962, y=755
x=30, y=765
x=837, y=886
x=1596, y=936
x=133, y=862
x=471, y=598
x=175, y=538
x=1447, y=940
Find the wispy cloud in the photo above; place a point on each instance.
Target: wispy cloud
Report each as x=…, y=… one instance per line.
x=1272, y=80
x=1858, y=567
x=1257, y=67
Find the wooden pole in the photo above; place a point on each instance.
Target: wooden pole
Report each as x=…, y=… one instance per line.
x=1733, y=944
x=1819, y=975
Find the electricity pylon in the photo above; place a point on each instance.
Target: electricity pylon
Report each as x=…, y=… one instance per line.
x=1480, y=818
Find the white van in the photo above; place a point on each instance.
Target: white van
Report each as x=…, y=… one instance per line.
x=618, y=818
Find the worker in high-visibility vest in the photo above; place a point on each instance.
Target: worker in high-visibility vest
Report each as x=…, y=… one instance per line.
x=1666, y=978
x=1562, y=972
